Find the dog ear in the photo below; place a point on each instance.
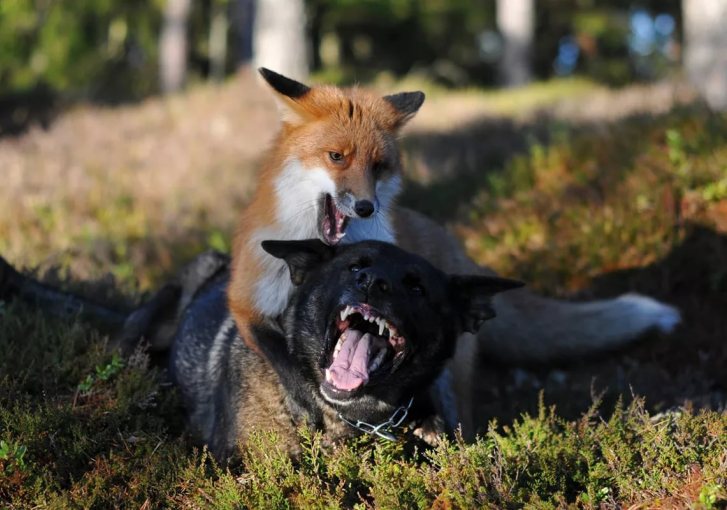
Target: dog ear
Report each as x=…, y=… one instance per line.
x=290, y=93
x=472, y=296
x=300, y=256
x=406, y=104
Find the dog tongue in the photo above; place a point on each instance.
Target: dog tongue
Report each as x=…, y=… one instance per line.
x=349, y=369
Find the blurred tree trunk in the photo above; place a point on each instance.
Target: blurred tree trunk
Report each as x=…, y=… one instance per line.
x=516, y=23
x=218, y=40
x=173, y=45
x=705, y=52
x=317, y=13
x=243, y=21
x=280, y=41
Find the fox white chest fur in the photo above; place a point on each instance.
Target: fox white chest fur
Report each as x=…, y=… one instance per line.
x=297, y=198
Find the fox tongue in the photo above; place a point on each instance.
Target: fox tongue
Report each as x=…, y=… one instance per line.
x=349, y=369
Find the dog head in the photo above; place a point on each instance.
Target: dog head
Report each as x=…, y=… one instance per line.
x=340, y=150
x=370, y=324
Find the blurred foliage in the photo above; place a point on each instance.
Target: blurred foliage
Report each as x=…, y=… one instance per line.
x=437, y=38
x=97, y=48
x=107, y=49
x=601, y=30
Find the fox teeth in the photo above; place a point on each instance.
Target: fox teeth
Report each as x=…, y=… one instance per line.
x=382, y=327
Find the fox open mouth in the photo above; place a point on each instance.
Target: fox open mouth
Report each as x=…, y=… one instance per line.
x=333, y=221
x=367, y=344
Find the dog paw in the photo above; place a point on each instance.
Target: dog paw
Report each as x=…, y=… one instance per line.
x=665, y=318
x=431, y=431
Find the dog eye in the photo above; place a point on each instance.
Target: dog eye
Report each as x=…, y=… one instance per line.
x=354, y=268
x=417, y=289
x=413, y=283
x=335, y=156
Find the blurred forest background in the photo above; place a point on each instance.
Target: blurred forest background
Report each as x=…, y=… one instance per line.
x=116, y=50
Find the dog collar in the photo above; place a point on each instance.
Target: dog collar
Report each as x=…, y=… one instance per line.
x=382, y=430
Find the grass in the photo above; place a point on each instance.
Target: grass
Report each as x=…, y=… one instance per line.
x=583, y=196
x=118, y=441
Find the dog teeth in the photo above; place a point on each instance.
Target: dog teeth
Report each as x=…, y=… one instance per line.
x=346, y=312
x=339, y=344
x=380, y=322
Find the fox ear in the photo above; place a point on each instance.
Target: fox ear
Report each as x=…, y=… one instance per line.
x=300, y=256
x=472, y=297
x=289, y=94
x=406, y=104
x=283, y=85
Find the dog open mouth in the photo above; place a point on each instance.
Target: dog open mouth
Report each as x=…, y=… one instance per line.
x=333, y=221
x=367, y=345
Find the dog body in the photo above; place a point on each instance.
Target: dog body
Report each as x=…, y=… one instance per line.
x=367, y=327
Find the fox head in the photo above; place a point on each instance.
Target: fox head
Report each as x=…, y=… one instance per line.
x=341, y=146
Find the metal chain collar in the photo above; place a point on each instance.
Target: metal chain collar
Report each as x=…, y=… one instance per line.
x=383, y=429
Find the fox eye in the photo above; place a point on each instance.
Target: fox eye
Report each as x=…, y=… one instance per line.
x=335, y=156
x=379, y=167
x=354, y=268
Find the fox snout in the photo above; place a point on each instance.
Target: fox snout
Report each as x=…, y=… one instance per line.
x=364, y=208
x=355, y=206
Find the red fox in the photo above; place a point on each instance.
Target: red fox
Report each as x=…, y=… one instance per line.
x=334, y=171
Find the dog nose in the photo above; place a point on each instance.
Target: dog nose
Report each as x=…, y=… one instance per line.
x=364, y=208
x=366, y=280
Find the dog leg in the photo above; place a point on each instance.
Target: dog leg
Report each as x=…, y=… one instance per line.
x=465, y=360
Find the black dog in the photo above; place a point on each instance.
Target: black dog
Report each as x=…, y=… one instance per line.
x=366, y=332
